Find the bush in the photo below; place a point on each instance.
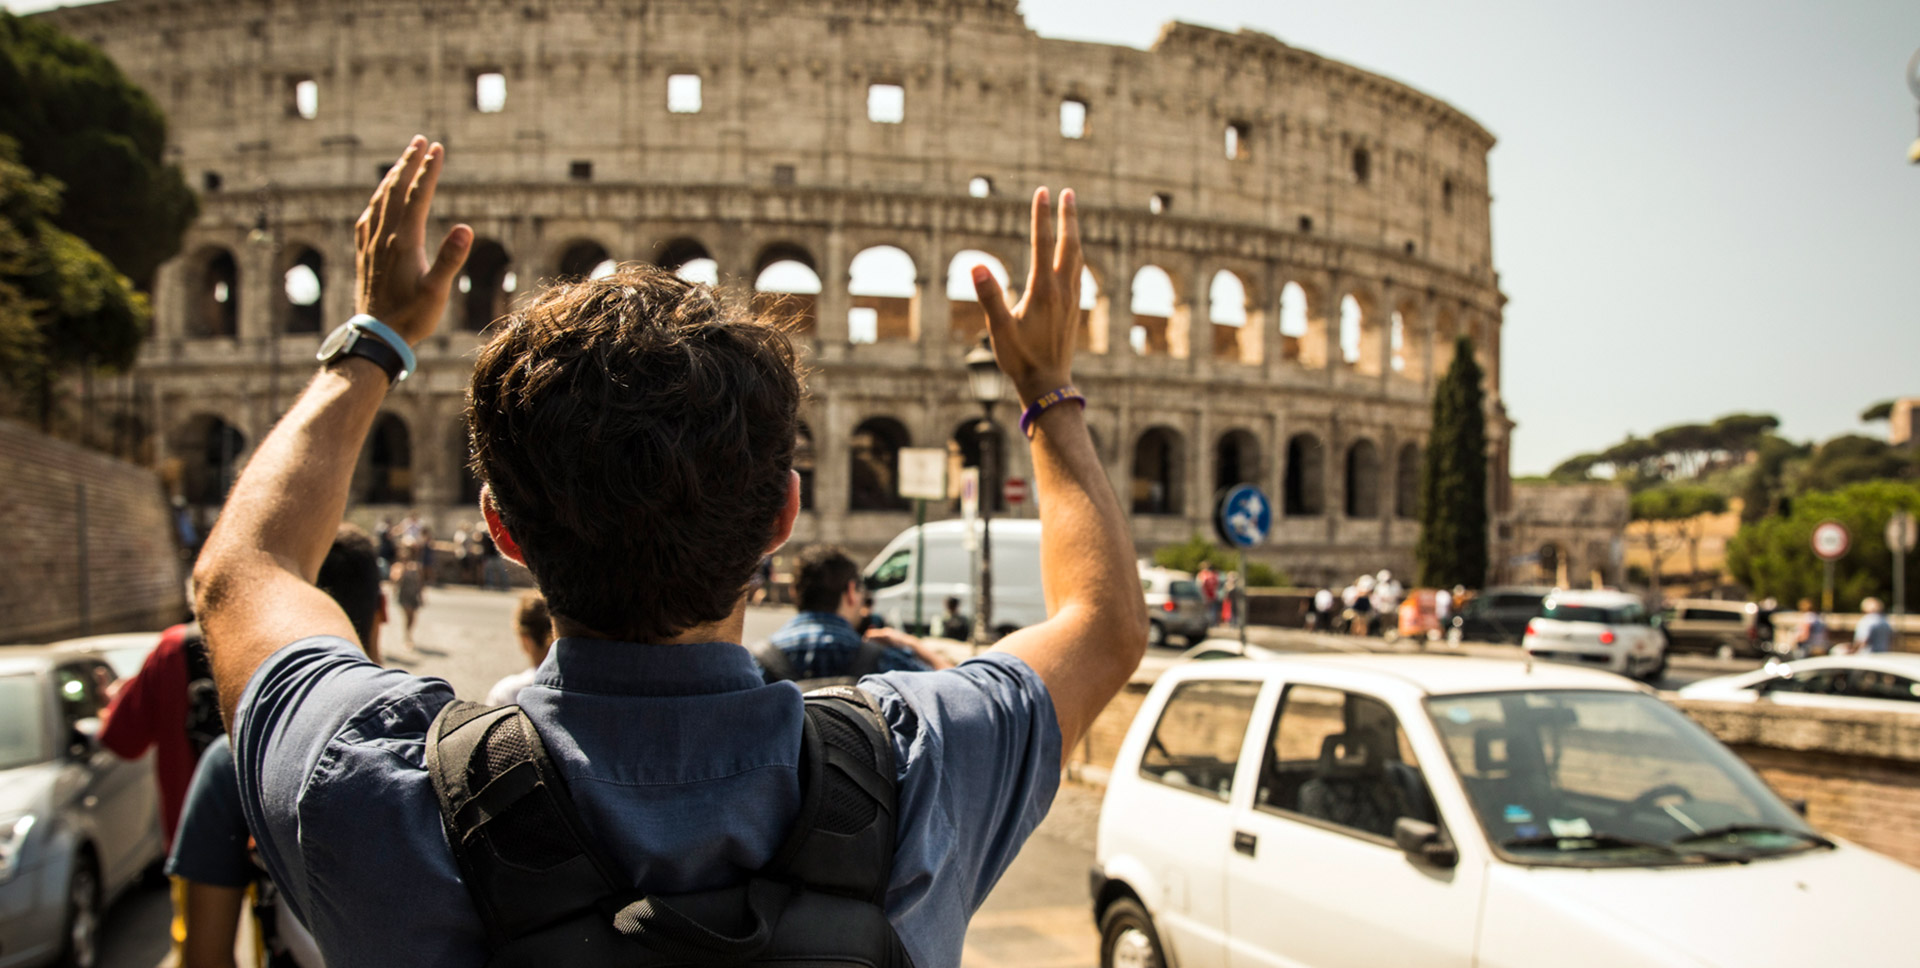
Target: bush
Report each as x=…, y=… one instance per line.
x=1188, y=556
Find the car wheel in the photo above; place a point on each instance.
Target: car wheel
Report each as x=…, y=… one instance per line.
x=1127, y=938
x=1156, y=633
x=82, y=936
x=1657, y=671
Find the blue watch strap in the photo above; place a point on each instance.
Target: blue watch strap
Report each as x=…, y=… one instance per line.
x=368, y=324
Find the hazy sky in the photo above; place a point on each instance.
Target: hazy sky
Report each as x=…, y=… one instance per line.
x=1699, y=207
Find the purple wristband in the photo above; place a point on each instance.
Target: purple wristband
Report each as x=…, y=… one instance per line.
x=1046, y=400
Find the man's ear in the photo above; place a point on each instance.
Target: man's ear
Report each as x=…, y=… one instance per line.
x=501, y=539
x=783, y=525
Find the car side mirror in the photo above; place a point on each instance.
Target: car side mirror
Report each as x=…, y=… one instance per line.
x=84, y=740
x=1424, y=843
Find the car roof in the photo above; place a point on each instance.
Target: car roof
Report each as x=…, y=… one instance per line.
x=1583, y=596
x=1428, y=675
x=17, y=659
x=1903, y=663
x=958, y=526
x=1710, y=603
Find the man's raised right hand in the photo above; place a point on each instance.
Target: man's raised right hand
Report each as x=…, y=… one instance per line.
x=1033, y=341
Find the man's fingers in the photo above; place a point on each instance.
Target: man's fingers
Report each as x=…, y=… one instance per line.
x=993, y=300
x=1067, y=257
x=420, y=192
x=453, y=255
x=1042, y=233
x=395, y=184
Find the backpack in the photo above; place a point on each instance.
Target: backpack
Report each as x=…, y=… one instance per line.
x=548, y=897
x=204, y=724
x=775, y=665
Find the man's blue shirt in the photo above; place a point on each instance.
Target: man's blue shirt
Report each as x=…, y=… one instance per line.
x=683, y=764
x=823, y=644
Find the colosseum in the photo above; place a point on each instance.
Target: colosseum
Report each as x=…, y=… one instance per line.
x=1281, y=247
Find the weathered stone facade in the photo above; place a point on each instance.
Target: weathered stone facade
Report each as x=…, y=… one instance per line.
x=1212, y=153
x=1570, y=535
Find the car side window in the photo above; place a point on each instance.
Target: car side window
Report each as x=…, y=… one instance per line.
x=1868, y=684
x=1341, y=758
x=892, y=571
x=1196, y=744
x=1821, y=681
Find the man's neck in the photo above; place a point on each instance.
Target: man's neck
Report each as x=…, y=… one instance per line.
x=730, y=629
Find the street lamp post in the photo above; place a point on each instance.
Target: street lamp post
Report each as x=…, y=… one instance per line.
x=987, y=383
x=1913, y=84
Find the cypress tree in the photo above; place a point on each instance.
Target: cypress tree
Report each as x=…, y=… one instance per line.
x=1452, y=549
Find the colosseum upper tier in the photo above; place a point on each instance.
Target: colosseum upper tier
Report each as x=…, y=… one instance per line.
x=1281, y=247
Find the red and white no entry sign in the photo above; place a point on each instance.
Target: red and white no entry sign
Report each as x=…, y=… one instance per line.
x=1831, y=540
x=1015, y=490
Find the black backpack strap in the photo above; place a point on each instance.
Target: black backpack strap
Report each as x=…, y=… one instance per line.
x=523, y=851
x=842, y=842
x=774, y=664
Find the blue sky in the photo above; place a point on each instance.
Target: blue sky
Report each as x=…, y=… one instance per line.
x=1699, y=207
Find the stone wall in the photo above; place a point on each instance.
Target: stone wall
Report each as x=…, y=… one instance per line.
x=90, y=543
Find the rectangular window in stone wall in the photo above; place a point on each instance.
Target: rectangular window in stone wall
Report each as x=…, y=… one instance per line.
x=489, y=91
x=886, y=103
x=303, y=97
x=683, y=93
x=1073, y=118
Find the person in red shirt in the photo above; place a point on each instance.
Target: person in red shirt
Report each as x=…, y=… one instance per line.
x=151, y=711
x=1210, y=591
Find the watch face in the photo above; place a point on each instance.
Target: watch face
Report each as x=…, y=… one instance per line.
x=335, y=343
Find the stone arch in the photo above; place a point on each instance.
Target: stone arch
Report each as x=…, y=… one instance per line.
x=1234, y=318
x=486, y=284
x=1159, y=472
x=965, y=319
x=883, y=283
x=786, y=287
x=1363, y=479
x=214, y=312
x=803, y=464
x=874, y=465
x=689, y=259
x=461, y=450
x=584, y=259
x=1446, y=328
x=1303, y=325
x=1159, y=314
x=1406, y=482
x=1096, y=308
x=303, y=284
x=1356, y=324
x=210, y=451
x=1409, y=343
x=1304, y=491
x=1236, y=459
x=384, y=474
x=969, y=442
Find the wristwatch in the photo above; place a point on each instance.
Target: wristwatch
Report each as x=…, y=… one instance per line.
x=366, y=336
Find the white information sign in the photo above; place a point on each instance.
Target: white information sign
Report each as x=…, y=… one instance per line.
x=923, y=473
x=970, y=504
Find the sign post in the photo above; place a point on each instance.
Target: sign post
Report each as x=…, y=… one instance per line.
x=923, y=477
x=1831, y=539
x=1243, y=517
x=1903, y=531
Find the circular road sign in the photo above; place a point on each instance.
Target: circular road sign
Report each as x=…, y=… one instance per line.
x=1831, y=540
x=1244, y=516
x=1903, y=532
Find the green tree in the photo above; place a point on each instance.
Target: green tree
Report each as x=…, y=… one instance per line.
x=1852, y=459
x=1452, y=549
x=61, y=303
x=1576, y=468
x=1878, y=412
x=1682, y=506
x=80, y=121
x=1774, y=556
x=1188, y=556
x=1763, y=489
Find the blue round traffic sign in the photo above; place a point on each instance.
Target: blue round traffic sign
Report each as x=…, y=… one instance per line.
x=1244, y=516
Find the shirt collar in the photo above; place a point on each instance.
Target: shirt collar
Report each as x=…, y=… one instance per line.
x=643, y=669
x=827, y=618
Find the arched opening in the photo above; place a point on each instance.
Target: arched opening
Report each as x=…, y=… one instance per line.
x=1157, y=317
x=1445, y=330
x=1303, y=326
x=803, y=461
x=384, y=474
x=1234, y=319
x=965, y=319
x=1236, y=460
x=1363, y=479
x=304, y=283
x=1305, y=487
x=786, y=287
x=874, y=465
x=1352, y=321
x=884, y=285
x=970, y=442
x=216, y=297
x=1093, y=313
x=209, y=449
x=689, y=260
x=462, y=462
x=585, y=259
x=1410, y=344
x=486, y=284
x=1157, y=463
x=1406, y=483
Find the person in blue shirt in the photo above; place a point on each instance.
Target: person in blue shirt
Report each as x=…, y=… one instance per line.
x=1874, y=633
x=822, y=641
x=634, y=435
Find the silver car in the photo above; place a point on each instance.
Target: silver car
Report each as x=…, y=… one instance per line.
x=1174, y=606
x=77, y=823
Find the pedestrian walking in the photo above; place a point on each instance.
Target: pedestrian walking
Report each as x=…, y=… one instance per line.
x=1810, y=632
x=825, y=641
x=679, y=773
x=1323, y=610
x=1209, y=581
x=409, y=577
x=1874, y=633
x=954, y=625
x=534, y=629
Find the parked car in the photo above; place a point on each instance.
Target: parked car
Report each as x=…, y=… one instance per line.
x=1874, y=680
x=1174, y=606
x=1499, y=614
x=77, y=823
x=1349, y=811
x=1710, y=626
x=1605, y=629
x=951, y=570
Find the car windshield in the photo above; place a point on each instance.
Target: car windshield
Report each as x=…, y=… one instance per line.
x=1582, y=613
x=1184, y=589
x=1608, y=778
x=20, y=721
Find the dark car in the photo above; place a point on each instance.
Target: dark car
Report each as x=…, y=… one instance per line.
x=1712, y=626
x=1500, y=614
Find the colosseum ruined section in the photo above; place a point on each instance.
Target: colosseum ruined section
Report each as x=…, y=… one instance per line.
x=1281, y=247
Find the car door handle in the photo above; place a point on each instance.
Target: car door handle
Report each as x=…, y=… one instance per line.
x=1244, y=842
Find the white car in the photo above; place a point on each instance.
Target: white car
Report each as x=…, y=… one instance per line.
x=940, y=559
x=1875, y=680
x=1361, y=811
x=1607, y=630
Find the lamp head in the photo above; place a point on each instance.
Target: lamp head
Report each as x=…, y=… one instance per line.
x=983, y=374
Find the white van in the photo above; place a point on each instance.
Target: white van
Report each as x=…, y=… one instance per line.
x=952, y=570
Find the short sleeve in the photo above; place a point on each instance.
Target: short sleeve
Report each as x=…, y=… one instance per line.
x=211, y=847
x=977, y=748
